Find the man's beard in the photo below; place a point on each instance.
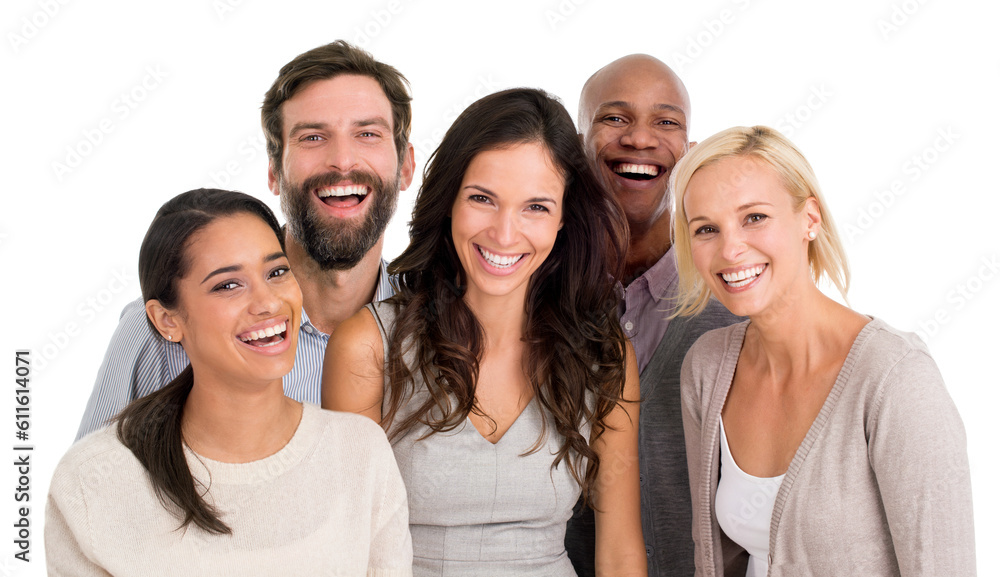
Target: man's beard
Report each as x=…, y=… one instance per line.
x=333, y=244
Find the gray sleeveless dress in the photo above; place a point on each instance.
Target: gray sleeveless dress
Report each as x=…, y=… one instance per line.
x=478, y=508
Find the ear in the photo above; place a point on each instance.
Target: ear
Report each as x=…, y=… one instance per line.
x=406, y=171
x=812, y=215
x=165, y=321
x=272, y=178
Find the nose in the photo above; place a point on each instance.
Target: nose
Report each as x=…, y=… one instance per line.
x=264, y=299
x=340, y=153
x=505, y=228
x=638, y=136
x=733, y=245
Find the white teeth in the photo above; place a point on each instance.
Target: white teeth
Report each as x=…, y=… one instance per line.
x=497, y=260
x=347, y=190
x=647, y=169
x=268, y=332
x=743, y=277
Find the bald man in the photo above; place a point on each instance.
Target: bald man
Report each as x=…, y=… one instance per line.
x=633, y=119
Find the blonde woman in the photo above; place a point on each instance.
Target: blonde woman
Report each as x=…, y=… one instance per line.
x=820, y=441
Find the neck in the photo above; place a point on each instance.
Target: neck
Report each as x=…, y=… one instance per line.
x=235, y=424
x=646, y=247
x=330, y=297
x=801, y=333
x=495, y=316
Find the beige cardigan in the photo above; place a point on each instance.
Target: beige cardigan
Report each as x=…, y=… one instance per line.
x=880, y=484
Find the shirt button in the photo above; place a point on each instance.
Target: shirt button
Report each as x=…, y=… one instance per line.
x=642, y=479
x=649, y=551
x=307, y=329
x=628, y=325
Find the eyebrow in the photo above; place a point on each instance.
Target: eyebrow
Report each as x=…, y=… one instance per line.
x=376, y=121
x=740, y=208
x=238, y=267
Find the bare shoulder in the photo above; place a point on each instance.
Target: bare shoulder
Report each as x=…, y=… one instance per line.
x=358, y=335
x=353, y=367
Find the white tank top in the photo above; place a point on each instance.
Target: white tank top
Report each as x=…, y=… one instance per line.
x=743, y=505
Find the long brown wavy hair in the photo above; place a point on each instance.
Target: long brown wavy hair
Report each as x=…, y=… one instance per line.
x=575, y=345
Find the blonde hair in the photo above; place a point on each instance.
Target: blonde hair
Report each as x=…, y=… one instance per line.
x=826, y=253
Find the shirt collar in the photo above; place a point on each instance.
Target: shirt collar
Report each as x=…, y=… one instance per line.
x=387, y=284
x=661, y=278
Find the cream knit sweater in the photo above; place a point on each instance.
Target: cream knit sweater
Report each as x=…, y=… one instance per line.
x=331, y=502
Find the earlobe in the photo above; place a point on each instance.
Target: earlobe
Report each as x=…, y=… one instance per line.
x=164, y=320
x=814, y=218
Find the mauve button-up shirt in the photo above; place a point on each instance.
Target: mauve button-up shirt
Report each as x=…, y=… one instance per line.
x=645, y=311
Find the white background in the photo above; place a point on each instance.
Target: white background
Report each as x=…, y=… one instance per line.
x=869, y=85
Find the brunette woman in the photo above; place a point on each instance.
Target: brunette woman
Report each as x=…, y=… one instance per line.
x=499, y=370
x=220, y=473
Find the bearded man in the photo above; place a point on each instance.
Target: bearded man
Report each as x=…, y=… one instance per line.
x=337, y=124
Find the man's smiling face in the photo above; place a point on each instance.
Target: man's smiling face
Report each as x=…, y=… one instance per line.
x=340, y=173
x=633, y=117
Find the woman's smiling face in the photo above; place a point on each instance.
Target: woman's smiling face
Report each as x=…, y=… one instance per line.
x=748, y=242
x=239, y=306
x=505, y=218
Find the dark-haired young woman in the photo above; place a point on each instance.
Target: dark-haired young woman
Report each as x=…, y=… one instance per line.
x=499, y=370
x=219, y=473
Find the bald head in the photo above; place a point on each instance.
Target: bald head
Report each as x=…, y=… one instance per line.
x=616, y=79
x=634, y=120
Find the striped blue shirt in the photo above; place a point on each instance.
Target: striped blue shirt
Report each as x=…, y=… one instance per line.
x=139, y=361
